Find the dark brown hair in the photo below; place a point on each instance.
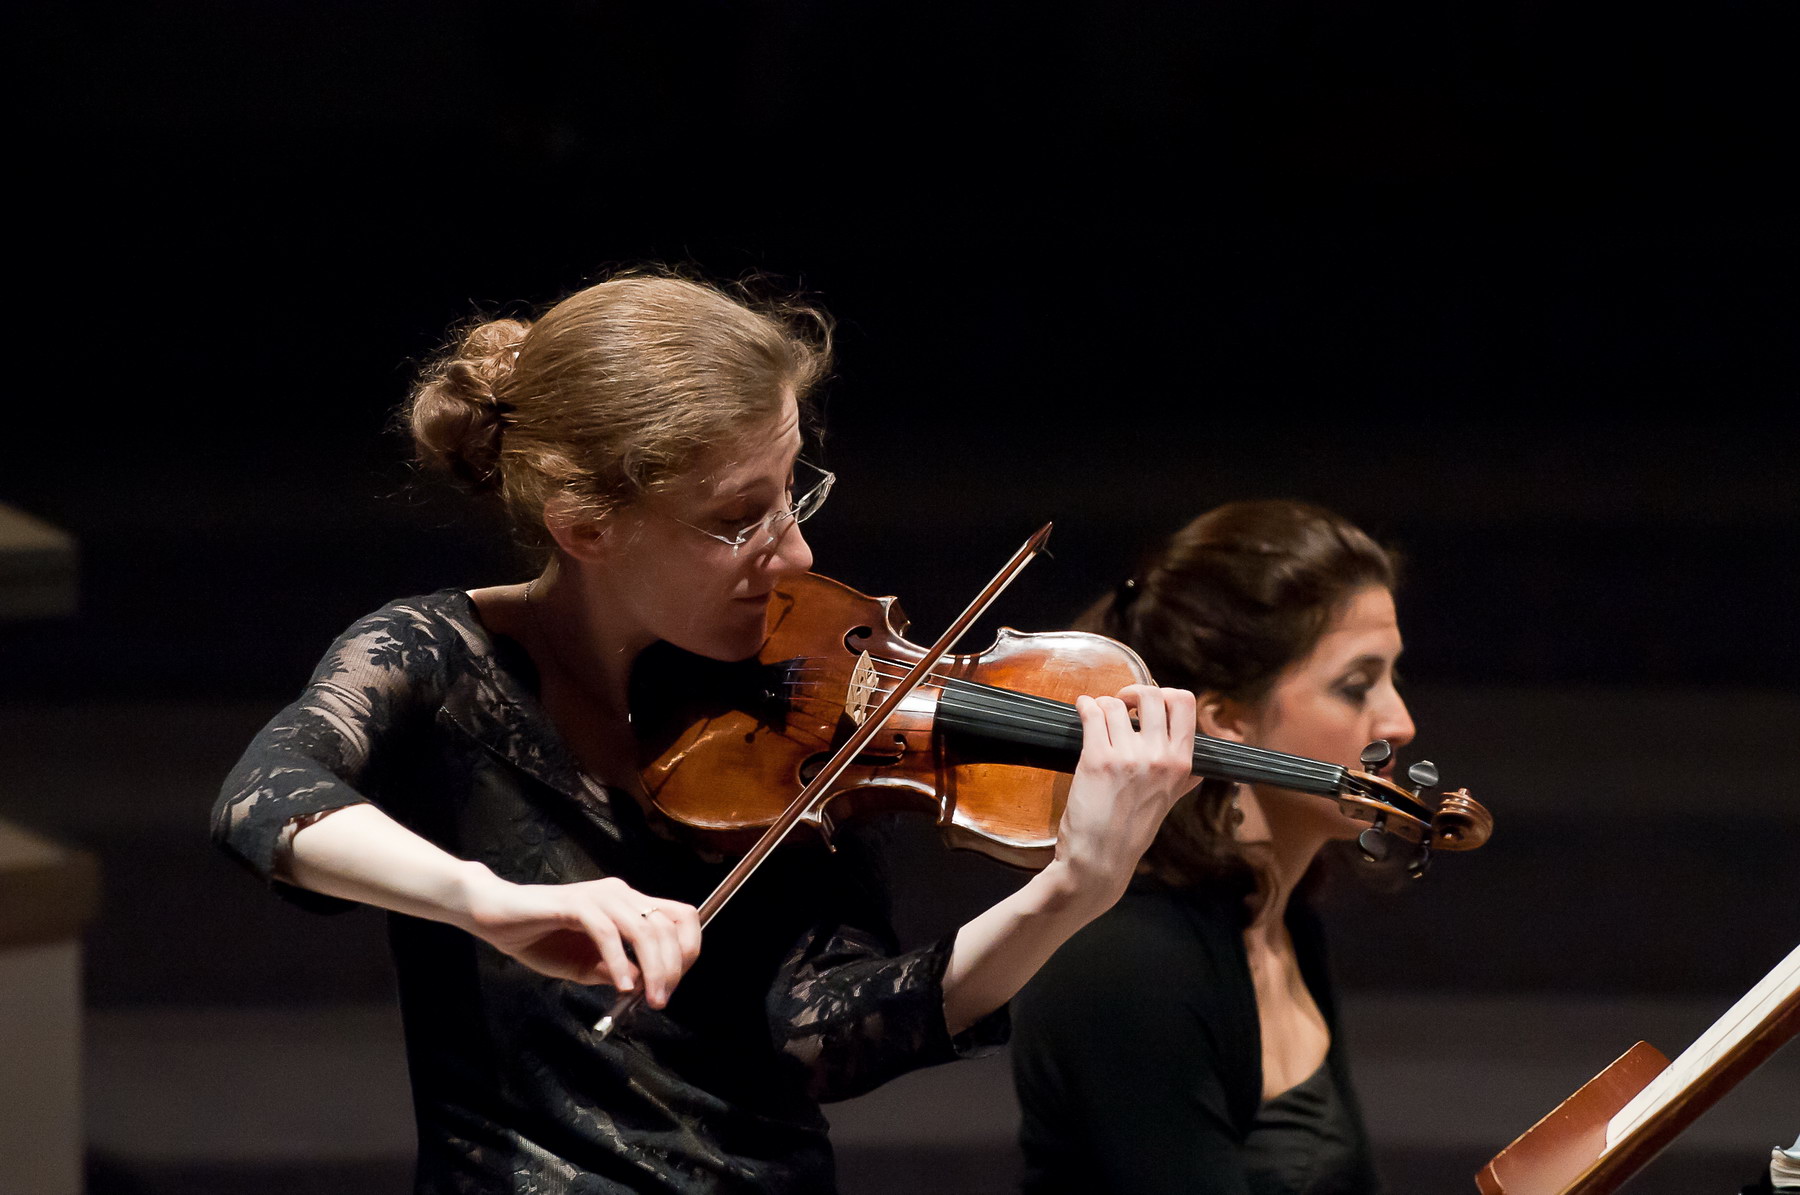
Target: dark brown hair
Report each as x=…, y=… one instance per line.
x=1225, y=605
x=611, y=392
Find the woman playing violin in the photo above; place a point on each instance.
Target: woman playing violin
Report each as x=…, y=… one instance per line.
x=1186, y=1040
x=467, y=761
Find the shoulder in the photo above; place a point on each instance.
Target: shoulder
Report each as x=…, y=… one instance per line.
x=442, y=614
x=1150, y=1004
x=422, y=643
x=1155, y=929
x=1166, y=948
x=413, y=633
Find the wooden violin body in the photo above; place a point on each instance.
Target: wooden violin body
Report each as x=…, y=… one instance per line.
x=986, y=743
x=766, y=723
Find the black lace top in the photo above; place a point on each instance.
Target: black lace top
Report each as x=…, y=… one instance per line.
x=798, y=996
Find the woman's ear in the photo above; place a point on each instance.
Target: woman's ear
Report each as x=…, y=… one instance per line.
x=580, y=536
x=1223, y=717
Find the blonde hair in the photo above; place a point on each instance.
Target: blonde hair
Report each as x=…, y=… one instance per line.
x=611, y=392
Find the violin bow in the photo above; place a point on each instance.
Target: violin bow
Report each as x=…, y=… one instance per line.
x=844, y=756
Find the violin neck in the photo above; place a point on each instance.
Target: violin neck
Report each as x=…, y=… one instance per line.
x=1050, y=732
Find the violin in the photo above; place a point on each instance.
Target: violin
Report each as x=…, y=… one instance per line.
x=987, y=742
x=839, y=706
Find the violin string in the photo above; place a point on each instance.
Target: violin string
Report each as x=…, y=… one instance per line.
x=1059, y=719
x=1008, y=705
x=1207, y=753
x=1030, y=712
x=1062, y=729
x=1058, y=714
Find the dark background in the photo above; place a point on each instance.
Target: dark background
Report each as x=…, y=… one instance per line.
x=1510, y=283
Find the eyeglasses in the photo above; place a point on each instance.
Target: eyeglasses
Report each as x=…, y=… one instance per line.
x=773, y=525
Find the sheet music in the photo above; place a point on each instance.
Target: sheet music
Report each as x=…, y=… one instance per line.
x=1742, y=1019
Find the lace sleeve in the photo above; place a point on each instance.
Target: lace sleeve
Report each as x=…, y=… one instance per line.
x=315, y=755
x=856, y=1017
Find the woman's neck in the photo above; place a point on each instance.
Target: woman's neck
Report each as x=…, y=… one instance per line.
x=568, y=611
x=1289, y=850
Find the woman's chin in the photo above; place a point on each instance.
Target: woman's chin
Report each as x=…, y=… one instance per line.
x=737, y=638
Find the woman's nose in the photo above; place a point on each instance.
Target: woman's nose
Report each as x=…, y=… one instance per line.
x=789, y=553
x=1395, y=723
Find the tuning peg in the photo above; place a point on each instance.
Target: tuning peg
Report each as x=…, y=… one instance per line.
x=1423, y=774
x=1421, y=862
x=1374, y=841
x=1376, y=754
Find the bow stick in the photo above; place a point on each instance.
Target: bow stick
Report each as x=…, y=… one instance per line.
x=842, y=758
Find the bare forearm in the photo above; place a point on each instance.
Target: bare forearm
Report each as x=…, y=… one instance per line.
x=998, y=951
x=1128, y=776
x=591, y=931
x=360, y=853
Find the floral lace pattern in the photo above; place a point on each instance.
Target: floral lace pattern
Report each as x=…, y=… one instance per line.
x=798, y=997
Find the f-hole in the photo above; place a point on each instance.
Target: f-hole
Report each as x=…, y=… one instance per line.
x=809, y=767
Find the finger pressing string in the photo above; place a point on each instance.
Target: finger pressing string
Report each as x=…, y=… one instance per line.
x=1152, y=712
x=1029, y=712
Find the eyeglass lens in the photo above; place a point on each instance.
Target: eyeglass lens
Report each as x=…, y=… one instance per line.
x=803, y=508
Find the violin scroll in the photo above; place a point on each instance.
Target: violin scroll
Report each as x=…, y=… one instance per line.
x=1455, y=821
x=1461, y=823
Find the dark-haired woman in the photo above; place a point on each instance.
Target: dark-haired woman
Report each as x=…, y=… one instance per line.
x=467, y=761
x=1187, y=1041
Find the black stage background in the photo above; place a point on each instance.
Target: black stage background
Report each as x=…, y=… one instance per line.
x=1510, y=283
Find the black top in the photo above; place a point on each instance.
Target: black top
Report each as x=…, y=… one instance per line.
x=1304, y=1141
x=1137, y=1054
x=798, y=996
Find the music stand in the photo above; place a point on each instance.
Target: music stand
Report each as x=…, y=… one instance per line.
x=1643, y=1101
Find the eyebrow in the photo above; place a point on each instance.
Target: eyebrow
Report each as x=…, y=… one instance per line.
x=752, y=489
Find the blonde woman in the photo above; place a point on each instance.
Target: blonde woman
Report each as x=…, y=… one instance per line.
x=466, y=760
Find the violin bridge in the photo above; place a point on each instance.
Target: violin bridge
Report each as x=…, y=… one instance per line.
x=859, y=698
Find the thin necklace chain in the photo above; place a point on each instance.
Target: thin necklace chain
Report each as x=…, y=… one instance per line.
x=535, y=613
x=531, y=615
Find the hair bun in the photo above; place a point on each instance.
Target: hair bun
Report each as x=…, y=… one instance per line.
x=457, y=414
